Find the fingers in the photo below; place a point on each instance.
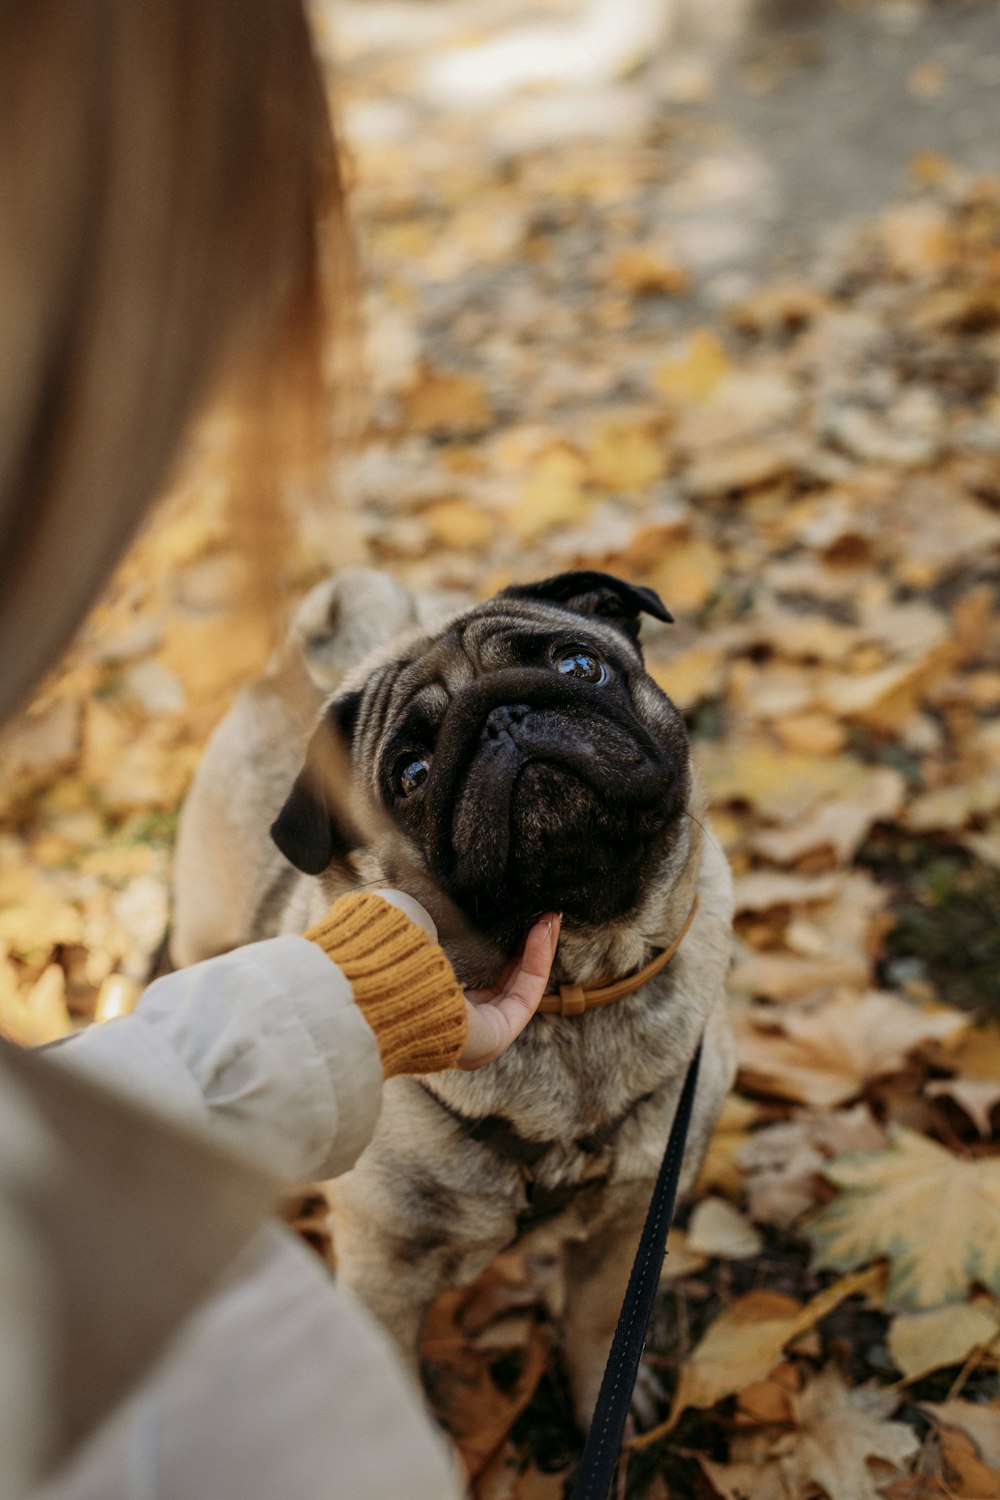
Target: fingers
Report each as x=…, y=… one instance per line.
x=496, y=1019
x=411, y=908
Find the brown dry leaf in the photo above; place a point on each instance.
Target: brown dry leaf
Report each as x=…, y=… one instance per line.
x=952, y=807
x=838, y=1433
x=473, y=1407
x=923, y=1341
x=978, y=1097
x=553, y=495
x=34, y=917
x=885, y=698
x=979, y=1422
x=975, y=1053
x=735, y=470
x=827, y=1055
x=691, y=676
x=787, y=977
x=782, y=786
x=782, y=1162
x=694, y=371
x=459, y=523
x=679, y=1260
x=38, y=1014
x=917, y=238
x=811, y=734
x=763, y=889
x=934, y=1215
x=445, y=404
x=626, y=453
x=782, y=308
x=745, y=1342
x=42, y=742
x=639, y=269
x=718, y=1229
x=211, y=657
x=841, y=825
x=720, y=1169
x=688, y=574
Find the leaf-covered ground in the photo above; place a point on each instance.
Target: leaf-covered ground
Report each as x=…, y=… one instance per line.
x=581, y=355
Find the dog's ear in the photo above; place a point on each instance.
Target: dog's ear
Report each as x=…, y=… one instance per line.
x=313, y=829
x=587, y=592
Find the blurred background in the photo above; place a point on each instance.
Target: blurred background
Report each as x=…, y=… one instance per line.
x=707, y=295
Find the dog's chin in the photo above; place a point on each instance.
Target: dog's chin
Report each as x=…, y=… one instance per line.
x=546, y=841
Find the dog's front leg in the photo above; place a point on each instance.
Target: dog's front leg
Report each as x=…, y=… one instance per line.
x=597, y=1272
x=401, y=1238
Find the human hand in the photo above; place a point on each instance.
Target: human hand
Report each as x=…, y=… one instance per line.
x=497, y=1015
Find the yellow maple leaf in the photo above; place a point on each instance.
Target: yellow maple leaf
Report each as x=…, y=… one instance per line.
x=935, y=1216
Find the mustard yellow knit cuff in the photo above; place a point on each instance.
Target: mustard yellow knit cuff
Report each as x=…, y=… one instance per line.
x=401, y=981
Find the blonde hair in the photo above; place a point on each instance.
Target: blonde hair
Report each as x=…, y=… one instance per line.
x=164, y=165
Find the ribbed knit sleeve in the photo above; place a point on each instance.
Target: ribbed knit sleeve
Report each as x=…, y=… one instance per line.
x=402, y=983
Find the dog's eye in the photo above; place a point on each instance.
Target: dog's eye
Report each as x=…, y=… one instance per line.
x=583, y=664
x=411, y=774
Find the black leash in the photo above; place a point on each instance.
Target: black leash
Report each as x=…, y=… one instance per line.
x=600, y=1455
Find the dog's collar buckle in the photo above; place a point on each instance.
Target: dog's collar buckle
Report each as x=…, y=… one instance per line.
x=574, y=999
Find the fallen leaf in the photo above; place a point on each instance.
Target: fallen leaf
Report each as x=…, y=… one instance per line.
x=782, y=786
x=679, y=1260
x=458, y=523
x=952, y=807
x=446, y=404
x=626, y=453
x=978, y=1097
x=553, y=495
x=923, y=1341
x=935, y=1216
x=734, y=470
x=716, y=1228
x=764, y=889
x=639, y=269
x=784, y=977
x=691, y=676
x=840, y=825
x=780, y=309
x=979, y=1422
x=745, y=1342
x=782, y=1162
x=719, y=1169
x=837, y=1433
x=694, y=371
x=688, y=574
x=828, y=1054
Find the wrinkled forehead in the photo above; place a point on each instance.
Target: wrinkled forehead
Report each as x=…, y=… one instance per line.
x=501, y=634
x=422, y=677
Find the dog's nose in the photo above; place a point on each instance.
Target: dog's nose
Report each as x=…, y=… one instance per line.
x=503, y=718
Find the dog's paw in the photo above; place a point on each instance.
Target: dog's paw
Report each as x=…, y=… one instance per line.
x=344, y=618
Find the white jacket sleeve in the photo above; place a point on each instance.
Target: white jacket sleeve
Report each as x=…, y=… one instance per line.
x=263, y=1045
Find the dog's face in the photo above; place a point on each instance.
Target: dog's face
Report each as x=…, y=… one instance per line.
x=524, y=758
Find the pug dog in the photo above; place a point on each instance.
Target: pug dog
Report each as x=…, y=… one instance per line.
x=514, y=759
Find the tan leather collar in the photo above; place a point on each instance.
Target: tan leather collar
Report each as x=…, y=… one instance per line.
x=573, y=999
